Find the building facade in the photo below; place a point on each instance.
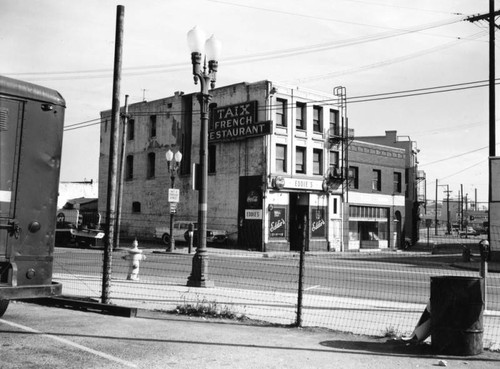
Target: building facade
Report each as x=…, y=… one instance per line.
x=375, y=197
x=277, y=169
x=414, y=179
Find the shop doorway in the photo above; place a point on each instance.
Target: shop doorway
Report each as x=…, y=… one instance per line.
x=250, y=213
x=299, y=210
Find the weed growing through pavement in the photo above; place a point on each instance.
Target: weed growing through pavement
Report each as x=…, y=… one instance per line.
x=392, y=332
x=207, y=309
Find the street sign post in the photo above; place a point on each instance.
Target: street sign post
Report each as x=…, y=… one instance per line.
x=173, y=195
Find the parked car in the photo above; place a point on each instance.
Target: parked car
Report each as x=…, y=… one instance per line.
x=181, y=229
x=468, y=231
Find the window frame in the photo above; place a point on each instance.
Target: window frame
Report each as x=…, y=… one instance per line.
x=130, y=129
x=282, y=161
x=129, y=167
x=151, y=165
x=212, y=159
x=317, y=121
x=300, y=123
x=376, y=180
x=152, y=125
x=302, y=165
x=318, y=164
x=398, y=185
x=281, y=110
x=334, y=124
x=332, y=164
x=354, y=177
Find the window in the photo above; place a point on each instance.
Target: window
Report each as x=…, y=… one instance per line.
x=334, y=123
x=317, y=161
x=151, y=165
x=354, y=177
x=300, y=160
x=130, y=129
x=129, y=168
x=334, y=160
x=152, y=126
x=397, y=182
x=281, y=112
x=281, y=158
x=212, y=159
x=136, y=207
x=376, y=180
x=317, y=118
x=300, y=119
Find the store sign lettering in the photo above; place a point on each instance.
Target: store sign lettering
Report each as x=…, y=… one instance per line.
x=317, y=225
x=276, y=225
x=303, y=184
x=235, y=122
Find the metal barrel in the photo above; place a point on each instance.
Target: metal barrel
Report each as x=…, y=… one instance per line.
x=457, y=307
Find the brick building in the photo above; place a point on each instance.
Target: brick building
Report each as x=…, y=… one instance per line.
x=414, y=179
x=276, y=161
x=376, y=196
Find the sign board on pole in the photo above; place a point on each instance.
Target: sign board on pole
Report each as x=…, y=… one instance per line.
x=173, y=207
x=173, y=195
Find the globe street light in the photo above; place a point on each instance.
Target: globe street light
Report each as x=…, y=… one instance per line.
x=172, y=168
x=199, y=45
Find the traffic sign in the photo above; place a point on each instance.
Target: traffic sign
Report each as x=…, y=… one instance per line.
x=173, y=195
x=173, y=207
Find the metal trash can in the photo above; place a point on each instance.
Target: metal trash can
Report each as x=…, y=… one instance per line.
x=457, y=307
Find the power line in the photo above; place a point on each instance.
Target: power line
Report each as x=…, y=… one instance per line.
x=304, y=49
x=352, y=100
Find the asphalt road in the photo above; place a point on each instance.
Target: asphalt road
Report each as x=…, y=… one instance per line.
x=396, y=277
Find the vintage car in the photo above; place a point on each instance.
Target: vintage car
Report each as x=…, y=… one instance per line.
x=181, y=229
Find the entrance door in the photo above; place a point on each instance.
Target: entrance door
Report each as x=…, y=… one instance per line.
x=250, y=206
x=299, y=209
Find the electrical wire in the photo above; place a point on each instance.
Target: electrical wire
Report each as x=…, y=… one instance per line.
x=304, y=49
x=352, y=100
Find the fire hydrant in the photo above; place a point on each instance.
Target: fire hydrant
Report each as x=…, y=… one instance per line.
x=134, y=257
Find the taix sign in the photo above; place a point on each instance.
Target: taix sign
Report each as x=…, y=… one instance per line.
x=236, y=122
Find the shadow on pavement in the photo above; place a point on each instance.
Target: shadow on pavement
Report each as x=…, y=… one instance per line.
x=400, y=348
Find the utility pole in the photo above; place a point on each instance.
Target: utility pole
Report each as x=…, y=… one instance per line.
x=461, y=207
x=121, y=174
x=436, y=211
x=113, y=153
x=490, y=17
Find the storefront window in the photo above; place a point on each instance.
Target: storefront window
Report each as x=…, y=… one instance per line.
x=373, y=231
x=353, y=231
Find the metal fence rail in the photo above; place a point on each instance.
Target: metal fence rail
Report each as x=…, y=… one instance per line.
x=375, y=293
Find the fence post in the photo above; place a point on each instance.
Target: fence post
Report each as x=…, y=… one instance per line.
x=298, y=322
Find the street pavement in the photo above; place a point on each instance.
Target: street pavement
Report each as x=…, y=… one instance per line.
x=354, y=315
x=33, y=336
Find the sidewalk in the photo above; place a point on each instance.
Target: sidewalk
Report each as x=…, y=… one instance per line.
x=353, y=315
x=154, y=340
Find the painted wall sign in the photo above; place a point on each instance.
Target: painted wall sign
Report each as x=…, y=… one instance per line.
x=277, y=223
x=236, y=122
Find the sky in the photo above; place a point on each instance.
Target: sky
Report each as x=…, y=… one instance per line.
x=371, y=47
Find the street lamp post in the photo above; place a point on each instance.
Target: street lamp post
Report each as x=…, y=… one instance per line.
x=173, y=167
x=198, y=45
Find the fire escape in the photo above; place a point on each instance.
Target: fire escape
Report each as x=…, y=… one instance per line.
x=339, y=137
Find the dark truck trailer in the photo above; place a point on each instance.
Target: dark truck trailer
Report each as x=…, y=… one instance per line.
x=31, y=130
